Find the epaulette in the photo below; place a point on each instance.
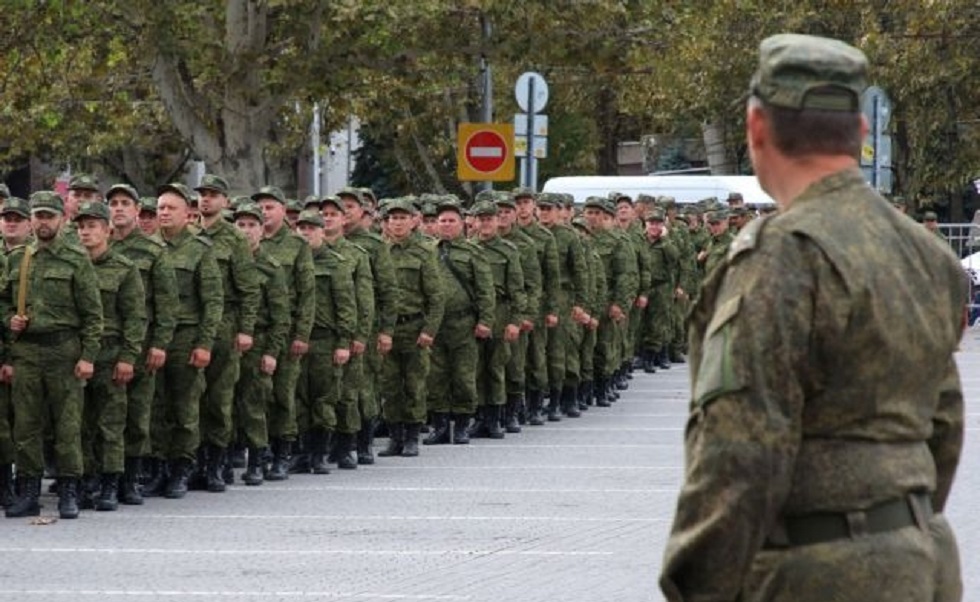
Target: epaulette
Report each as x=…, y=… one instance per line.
x=748, y=238
x=359, y=247
x=207, y=241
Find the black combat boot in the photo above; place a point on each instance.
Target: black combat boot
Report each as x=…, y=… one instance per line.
x=569, y=401
x=86, y=490
x=621, y=383
x=345, y=451
x=512, y=411
x=461, y=429
x=396, y=439
x=279, y=470
x=108, y=500
x=650, y=362
x=236, y=455
x=675, y=356
x=601, y=392
x=365, y=442
x=8, y=493
x=534, y=408
x=478, y=428
x=216, y=465
x=157, y=476
x=253, y=471
x=663, y=361
x=228, y=470
x=68, y=497
x=584, y=396
x=26, y=503
x=180, y=474
x=410, y=447
x=440, y=430
x=554, y=404
x=300, y=463
x=129, y=488
x=492, y=416
x=197, y=478
x=319, y=442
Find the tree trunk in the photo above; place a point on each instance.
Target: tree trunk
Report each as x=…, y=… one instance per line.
x=719, y=161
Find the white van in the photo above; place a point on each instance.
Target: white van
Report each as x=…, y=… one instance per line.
x=685, y=189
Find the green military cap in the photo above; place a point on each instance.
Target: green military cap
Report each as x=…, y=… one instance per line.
x=213, y=182
x=668, y=202
x=92, y=209
x=656, y=214
x=4, y=191
x=645, y=199
x=270, y=192
x=809, y=72
x=597, y=202
x=249, y=209
x=294, y=205
x=582, y=224
x=446, y=204
x=717, y=215
x=734, y=197
x=450, y=197
x=399, y=204
x=125, y=189
x=616, y=197
x=543, y=199
x=568, y=200
x=484, y=208
x=430, y=209
x=17, y=205
x=312, y=199
x=930, y=216
x=47, y=200
x=178, y=189
x=415, y=201
x=84, y=181
x=148, y=203
x=738, y=211
x=484, y=195
x=523, y=192
x=504, y=199
x=311, y=217
x=195, y=198
x=334, y=200
x=367, y=196
x=354, y=193
x=430, y=197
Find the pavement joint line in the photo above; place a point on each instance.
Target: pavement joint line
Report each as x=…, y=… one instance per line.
x=580, y=446
x=266, y=552
x=449, y=490
x=226, y=594
x=390, y=517
x=504, y=467
x=607, y=429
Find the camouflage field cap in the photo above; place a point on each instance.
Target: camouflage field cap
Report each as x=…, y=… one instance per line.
x=400, y=204
x=48, y=201
x=582, y=224
x=92, y=209
x=645, y=199
x=430, y=209
x=270, y=192
x=83, y=181
x=334, y=200
x=367, y=196
x=523, y=192
x=213, y=182
x=597, y=202
x=484, y=195
x=294, y=205
x=734, y=197
x=545, y=199
x=17, y=205
x=249, y=210
x=930, y=216
x=123, y=188
x=4, y=191
x=616, y=197
x=148, y=203
x=504, y=199
x=656, y=214
x=178, y=189
x=809, y=72
x=448, y=204
x=716, y=216
x=311, y=217
x=354, y=193
x=484, y=208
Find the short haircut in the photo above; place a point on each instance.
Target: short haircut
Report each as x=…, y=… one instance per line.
x=798, y=133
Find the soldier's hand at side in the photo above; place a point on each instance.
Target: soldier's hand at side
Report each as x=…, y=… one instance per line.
x=594, y=324
x=641, y=301
x=616, y=313
x=511, y=333
x=18, y=323
x=122, y=374
x=155, y=359
x=482, y=331
x=341, y=356
x=299, y=348
x=701, y=256
x=84, y=370
x=200, y=358
x=357, y=348
x=6, y=374
x=527, y=326
x=243, y=342
x=268, y=365
x=551, y=320
x=425, y=340
x=384, y=343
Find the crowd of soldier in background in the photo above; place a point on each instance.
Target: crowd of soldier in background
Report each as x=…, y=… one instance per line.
x=151, y=345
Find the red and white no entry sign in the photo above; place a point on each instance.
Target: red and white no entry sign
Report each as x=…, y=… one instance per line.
x=485, y=152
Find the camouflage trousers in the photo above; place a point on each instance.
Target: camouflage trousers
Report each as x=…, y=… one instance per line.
x=516, y=365
x=174, y=430
x=253, y=392
x=536, y=368
x=318, y=388
x=904, y=565
x=7, y=451
x=104, y=417
x=608, y=348
x=587, y=355
x=46, y=394
x=138, y=410
x=282, y=407
x=563, y=341
x=656, y=329
x=451, y=385
x=405, y=371
x=220, y=377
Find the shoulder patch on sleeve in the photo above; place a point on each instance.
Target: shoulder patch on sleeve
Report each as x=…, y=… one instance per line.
x=748, y=238
x=716, y=374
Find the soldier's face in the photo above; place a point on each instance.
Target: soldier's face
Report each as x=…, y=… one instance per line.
x=148, y=222
x=430, y=225
x=487, y=225
x=211, y=202
x=312, y=233
x=93, y=232
x=399, y=224
x=718, y=227
x=173, y=212
x=450, y=225
x=251, y=228
x=45, y=225
x=594, y=217
x=525, y=208
x=505, y=217
x=624, y=212
x=16, y=228
x=76, y=197
x=123, y=211
x=655, y=229
x=547, y=214
x=333, y=220
x=353, y=209
x=273, y=212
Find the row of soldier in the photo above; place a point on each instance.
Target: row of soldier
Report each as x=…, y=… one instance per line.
x=148, y=342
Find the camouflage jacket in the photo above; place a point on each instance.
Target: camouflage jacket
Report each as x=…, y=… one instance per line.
x=159, y=284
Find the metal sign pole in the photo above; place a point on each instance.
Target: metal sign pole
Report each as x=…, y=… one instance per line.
x=531, y=183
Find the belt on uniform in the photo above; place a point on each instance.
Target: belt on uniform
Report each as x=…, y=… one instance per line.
x=915, y=509
x=47, y=338
x=322, y=332
x=406, y=318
